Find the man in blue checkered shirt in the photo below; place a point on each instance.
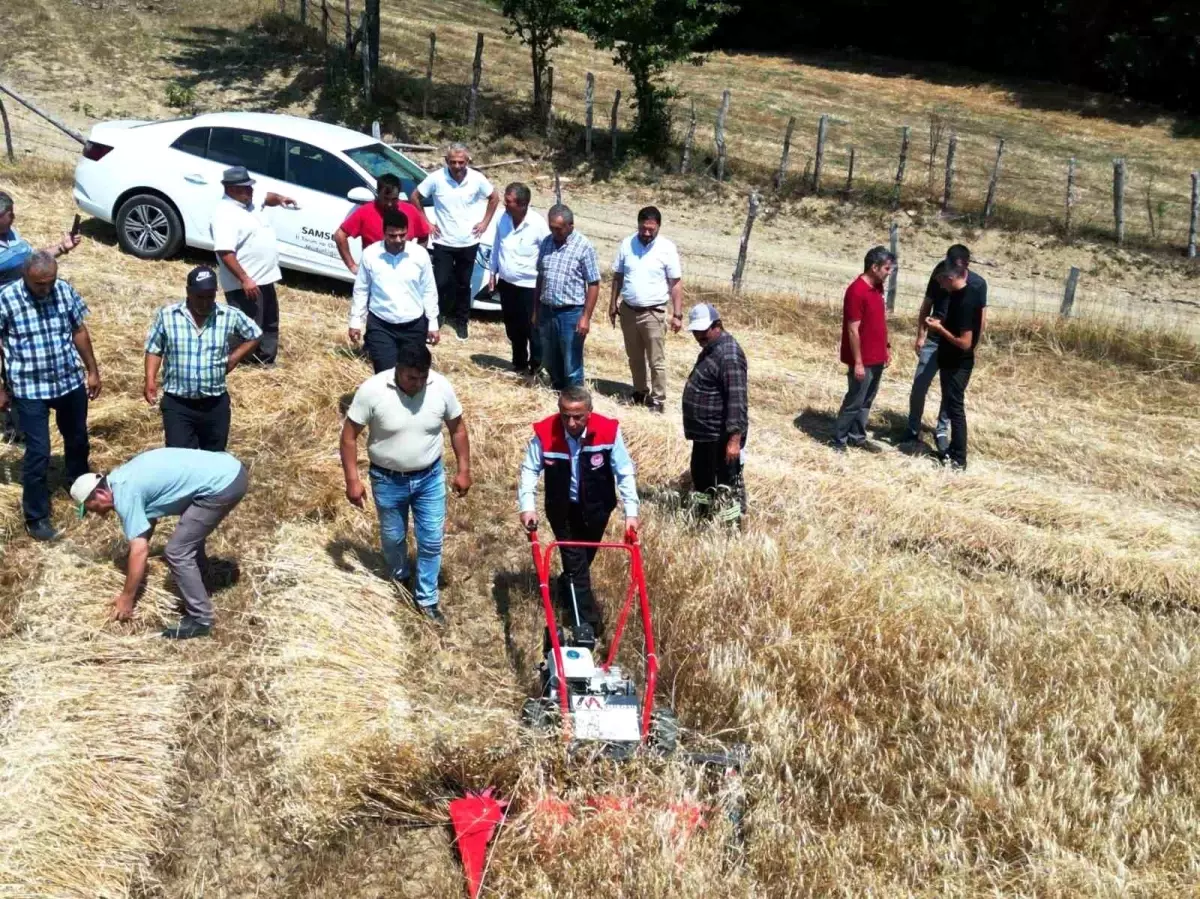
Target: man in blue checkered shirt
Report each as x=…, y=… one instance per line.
x=567, y=287
x=197, y=343
x=51, y=366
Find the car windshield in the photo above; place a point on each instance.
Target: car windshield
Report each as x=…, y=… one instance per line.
x=380, y=159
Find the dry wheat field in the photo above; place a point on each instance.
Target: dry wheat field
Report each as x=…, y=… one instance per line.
x=985, y=683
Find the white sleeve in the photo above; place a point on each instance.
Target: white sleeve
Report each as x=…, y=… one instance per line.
x=360, y=297
x=619, y=260
x=428, y=187
x=531, y=469
x=360, y=407
x=672, y=264
x=485, y=186
x=429, y=294
x=224, y=231
x=453, y=407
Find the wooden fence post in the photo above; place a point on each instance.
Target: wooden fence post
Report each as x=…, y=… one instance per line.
x=557, y=190
x=1119, y=198
x=819, y=159
x=349, y=29
x=589, y=100
x=904, y=138
x=850, y=175
x=371, y=31
x=428, y=74
x=612, y=128
x=948, y=192
x=549, y=102
x=989, y=204
x=325, y=22
x=720, y=134
x=68, y=131
x=1070, y=194
x=744, y=246
x=894, y=246
x=8, y=147
x=476, y=74
x=686, y=162
x=783, y=160
x=1192, y=226
x=1068, y=300
x=366, y=57
x=303, y=12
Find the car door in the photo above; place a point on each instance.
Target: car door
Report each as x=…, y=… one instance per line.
x=319, y=182
x=262, y=155
x=196, y=184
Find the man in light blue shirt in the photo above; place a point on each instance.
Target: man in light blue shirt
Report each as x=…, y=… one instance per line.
x=198, y=486
x=587, y=467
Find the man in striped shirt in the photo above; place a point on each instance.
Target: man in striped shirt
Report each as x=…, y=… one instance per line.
x=47, y=350
x=197, y=343
x=568, y=286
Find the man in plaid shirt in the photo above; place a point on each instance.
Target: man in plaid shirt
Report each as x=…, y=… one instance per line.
x=197, y=343
x=47, y=349
x=567, y=288
x=715, y=413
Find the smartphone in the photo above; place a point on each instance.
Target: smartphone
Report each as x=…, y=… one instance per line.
x=75, y=226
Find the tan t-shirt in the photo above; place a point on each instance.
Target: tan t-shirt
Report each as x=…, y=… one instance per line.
x=405, y=432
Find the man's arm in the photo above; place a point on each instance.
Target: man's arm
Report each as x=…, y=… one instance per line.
x=135, y=573
x=737, y=412
x=418, y=203
x=274, y=199
x=83, y=343
x=240, y=352
x=531, y=470
x=625, y=471
x=982, y=321
x=492, y=203
x=922, y=314
x=230, y=261
x=614, y=302
x=462, y=454
x=429, y=300
x=589, y=306
x=852, y=328
x=360, y=298
x=348, y=450
x=676, y=290
x=150, y=389
x=342, y=239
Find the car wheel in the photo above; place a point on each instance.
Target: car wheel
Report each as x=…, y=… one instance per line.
x=149, y=227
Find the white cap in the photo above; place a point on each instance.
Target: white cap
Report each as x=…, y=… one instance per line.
x=83, y=487
x=702, y=317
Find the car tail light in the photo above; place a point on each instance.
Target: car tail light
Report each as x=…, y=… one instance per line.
x=95, y=151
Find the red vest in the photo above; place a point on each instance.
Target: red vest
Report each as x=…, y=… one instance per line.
x=597, y=480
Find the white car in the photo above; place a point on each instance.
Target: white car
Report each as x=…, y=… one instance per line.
x=159, y=181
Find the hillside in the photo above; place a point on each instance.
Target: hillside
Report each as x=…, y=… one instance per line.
x=951, y=684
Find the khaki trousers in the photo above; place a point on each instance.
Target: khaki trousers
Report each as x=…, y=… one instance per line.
x=645, y=331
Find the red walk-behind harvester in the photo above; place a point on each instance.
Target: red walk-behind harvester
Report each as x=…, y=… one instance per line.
x=598, y=703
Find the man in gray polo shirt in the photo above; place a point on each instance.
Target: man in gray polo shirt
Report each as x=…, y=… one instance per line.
x=405, y=409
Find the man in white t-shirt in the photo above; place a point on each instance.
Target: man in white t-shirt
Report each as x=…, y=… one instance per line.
x=465, y=202
x=404, y=410
x=647, y=276
x=248, y=256
x=514, y=273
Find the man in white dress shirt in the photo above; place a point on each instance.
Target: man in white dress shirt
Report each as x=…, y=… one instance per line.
x=514, y=274
x=465, y=202
x=647, y=276
x=395, y=294
x=248, y=256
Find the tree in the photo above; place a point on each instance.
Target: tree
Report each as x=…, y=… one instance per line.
x=539, y=24
x=646, y=38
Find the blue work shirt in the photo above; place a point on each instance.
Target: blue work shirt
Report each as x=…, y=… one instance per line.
x=14, y=250
x=165, y=482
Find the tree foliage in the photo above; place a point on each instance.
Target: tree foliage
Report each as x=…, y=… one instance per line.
x=539, y=24
x=647, y=37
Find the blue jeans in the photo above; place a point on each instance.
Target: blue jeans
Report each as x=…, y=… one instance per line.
x=33, y=417
x=927, y=369
x=425, y=492
x=562, y=348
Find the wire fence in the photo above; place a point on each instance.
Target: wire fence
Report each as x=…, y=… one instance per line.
x=35, y=138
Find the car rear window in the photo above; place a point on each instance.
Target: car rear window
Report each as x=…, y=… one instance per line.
x=235, y=146
x=193, y=141
x=380, y=159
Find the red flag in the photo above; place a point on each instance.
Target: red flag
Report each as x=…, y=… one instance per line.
x=475, y=818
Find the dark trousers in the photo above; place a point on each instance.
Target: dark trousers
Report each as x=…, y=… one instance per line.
x=33, y=417
x=452, y=269
x=710, y=473
x=955, y=375
x=265, y=314
x=196, y=423
x=516, y=303
x=577, y=567
x=851, y=424
x=382, y=339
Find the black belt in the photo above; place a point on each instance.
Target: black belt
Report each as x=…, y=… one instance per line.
x=408, y=474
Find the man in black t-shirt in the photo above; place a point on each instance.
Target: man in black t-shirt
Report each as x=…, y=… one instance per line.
x=958, y=335
x=936, y=300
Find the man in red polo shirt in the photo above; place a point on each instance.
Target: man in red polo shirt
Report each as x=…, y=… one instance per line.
x=367, y=220
x=864, y=347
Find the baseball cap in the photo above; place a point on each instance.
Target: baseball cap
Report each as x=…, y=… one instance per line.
x=237, y=175
x=82, y=488
x=202, y=278
x=702, y=317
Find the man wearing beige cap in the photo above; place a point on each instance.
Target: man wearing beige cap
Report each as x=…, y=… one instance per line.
x=198, y=486
x=715, y=413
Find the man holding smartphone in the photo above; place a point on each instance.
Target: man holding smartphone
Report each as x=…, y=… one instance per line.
x=935, y=305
